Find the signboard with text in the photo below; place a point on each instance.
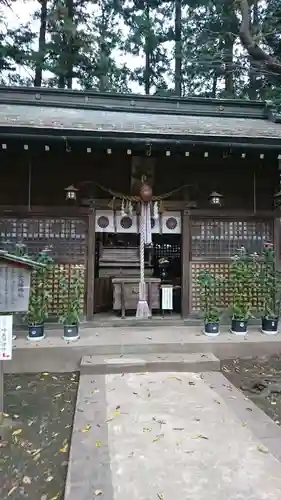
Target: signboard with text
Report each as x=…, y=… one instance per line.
x=14, y=288
x=6, y=337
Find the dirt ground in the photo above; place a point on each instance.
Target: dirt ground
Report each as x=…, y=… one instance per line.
x=35, y=439
x=260, y=380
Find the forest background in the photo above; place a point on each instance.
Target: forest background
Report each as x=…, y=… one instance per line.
x=217, y=48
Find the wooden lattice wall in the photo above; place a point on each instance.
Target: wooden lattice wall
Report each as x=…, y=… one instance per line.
x=66, y=238
x=213, y=242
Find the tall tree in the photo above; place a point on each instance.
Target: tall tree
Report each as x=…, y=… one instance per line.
x=100, y=68
x=40, y=54
x=149, y=31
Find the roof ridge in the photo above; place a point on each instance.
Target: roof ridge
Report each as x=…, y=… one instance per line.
x=196, y=106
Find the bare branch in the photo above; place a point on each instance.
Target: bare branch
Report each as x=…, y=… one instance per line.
x=253, y=49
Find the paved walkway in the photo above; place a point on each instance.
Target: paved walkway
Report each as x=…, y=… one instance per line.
x=168, y=435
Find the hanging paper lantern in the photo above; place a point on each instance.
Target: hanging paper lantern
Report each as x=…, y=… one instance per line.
x=145, y=193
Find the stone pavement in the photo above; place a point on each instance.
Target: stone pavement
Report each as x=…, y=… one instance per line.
x=146, y=436
x=54, y=354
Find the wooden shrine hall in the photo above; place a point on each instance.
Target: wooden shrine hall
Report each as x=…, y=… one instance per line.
x=73, y=166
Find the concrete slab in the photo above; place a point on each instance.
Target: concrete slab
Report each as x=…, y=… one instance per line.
x=146, y=436
x=195, y=362
x=54, y=354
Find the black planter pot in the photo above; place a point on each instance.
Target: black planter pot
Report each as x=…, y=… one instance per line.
x=36, y=332
x=212, y=329
x=70, y=332
x=269, y=326
x=239, y=327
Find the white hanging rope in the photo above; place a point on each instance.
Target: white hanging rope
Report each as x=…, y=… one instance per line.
x=142, y=307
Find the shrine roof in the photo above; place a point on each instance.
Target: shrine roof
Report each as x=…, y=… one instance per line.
x=87, y=113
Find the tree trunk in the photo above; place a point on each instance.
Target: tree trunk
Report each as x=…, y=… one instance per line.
x=228, y=59
x=253, y=69
x=178, y=48
x=69, y=59
x=254, y=50
x=102, y=51
x=147, y=52
x=214, y=86
x=41, y=44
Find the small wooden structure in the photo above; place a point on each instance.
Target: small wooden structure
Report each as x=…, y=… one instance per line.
x=15, y=276
x=126, y=294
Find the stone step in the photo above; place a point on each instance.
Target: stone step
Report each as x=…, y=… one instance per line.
x=193, y=362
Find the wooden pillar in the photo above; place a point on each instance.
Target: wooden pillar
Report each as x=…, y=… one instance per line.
x=185, y=255
x=91, y=261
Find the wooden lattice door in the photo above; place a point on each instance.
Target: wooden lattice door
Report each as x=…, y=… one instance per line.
x=213, y=242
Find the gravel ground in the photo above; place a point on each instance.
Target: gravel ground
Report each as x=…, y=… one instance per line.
x=260, y=380
x=35, y=440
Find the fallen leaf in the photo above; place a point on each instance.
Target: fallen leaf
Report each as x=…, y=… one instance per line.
x=249, y=409
x=26, y=480
x=64, y=448
x=159, y=436
x=199, y=436
x=57, y=395
x=98, y=444
x=262, y=448
x=56, y=497
x=12, y=490
x=49, y=479
x=45, y=374
x=147, y=429
x=17, y=432
x=18, y=387
x=178, y=428
x=161, y=422
x=160, y=496
x=87, y=428
x=98, y=493
x=218, y=402
x=176, y=378
x=191, y=383
x=116, y=413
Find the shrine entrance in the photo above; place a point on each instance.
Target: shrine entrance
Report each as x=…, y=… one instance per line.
x=117, y=269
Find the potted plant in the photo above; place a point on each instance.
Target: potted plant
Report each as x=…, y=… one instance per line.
x=71, y=294
x=208, y=286
x=39, y=297
x=242, y=282
x=269, y=291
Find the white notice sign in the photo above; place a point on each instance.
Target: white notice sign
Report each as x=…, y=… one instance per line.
x=167, y=297
x=6, y=337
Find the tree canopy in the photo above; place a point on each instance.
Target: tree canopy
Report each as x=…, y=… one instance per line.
x=212, y=48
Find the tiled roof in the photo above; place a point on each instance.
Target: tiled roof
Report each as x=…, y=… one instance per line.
x=145, y=124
